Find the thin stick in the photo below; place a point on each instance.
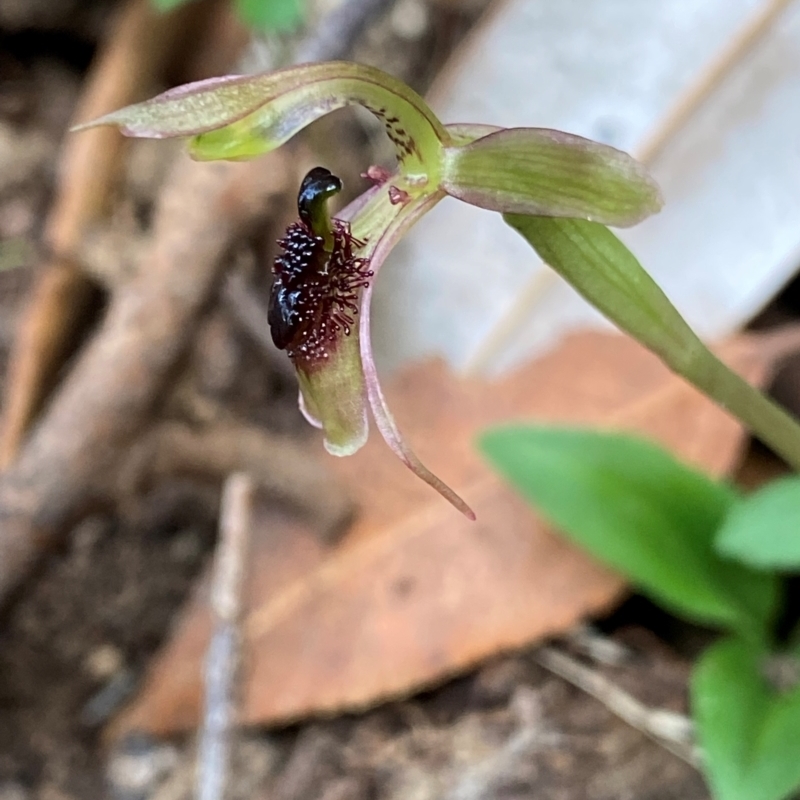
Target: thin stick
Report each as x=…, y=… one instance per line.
x=251, y=316
x=108, y=395
x=495, y=342
x=223, y=658
x=672, y=731
x=737, y=48
x=141, y=44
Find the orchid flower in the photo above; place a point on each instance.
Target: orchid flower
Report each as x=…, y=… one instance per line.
x=320, y=304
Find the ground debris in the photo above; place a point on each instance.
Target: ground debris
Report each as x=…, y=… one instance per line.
x=537, y=737
x=414, y=594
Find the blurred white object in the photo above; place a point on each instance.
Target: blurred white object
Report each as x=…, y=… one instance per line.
x=707, y=91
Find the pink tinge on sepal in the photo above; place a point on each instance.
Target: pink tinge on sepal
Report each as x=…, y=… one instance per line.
x=392, y=436
x=380, y=410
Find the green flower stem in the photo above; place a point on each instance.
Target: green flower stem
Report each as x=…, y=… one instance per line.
x=599, y=266
x=758, y=412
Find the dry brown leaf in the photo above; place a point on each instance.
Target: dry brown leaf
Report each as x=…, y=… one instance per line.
x=283, y=551
x=416, y=593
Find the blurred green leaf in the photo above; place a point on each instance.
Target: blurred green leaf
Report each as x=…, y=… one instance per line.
x=279, y=16
x=764, y=530
x=271, y=15
x=634, y=507
x=541, y=171
x=168, y=5
x=750, y=734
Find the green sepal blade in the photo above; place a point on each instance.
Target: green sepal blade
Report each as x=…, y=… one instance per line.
x=547, y=172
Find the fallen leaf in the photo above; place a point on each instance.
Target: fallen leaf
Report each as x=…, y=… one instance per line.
x=281, y=551
x=415, y=593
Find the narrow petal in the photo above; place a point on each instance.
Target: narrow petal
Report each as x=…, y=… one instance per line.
x=186, y=110
x=392, y=436
x=549, y=173
x=240, y=117
x=378, y=249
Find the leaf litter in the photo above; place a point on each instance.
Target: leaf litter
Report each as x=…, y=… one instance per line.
x=412, y=594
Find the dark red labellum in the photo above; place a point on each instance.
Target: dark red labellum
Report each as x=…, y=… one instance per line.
x=317, y=285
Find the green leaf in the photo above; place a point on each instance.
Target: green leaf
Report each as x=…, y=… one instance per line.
x=541, y=171
x=764, y=530
x=262, y=15
x=243, y=116
x=637, y=509
x=168, y=5
x=749, y=733
x=271, y=15
x=602, y=269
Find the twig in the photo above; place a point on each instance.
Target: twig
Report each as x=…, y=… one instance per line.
x=110, y=392
x=277, y=464
x=251, y=317
x=597, y=646
x=138, y=50
x=487, y=777
x=672, y=731
x=222, y=660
